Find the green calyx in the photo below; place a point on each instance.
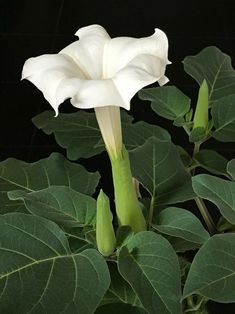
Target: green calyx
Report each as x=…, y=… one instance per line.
x=201, y=114
x=127, y=205
x=105, y=236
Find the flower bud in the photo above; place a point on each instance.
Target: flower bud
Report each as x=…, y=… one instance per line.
x=105, y=236
x=201, y=113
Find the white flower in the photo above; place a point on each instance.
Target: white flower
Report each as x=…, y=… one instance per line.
x=97, y=71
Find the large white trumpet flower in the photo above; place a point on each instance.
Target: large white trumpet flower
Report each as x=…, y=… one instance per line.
x=102, y=73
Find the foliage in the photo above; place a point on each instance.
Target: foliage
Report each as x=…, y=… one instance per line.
x=49, y=257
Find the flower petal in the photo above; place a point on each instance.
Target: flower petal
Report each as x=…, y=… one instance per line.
x=87, y=52
x=121, y=50
x=97, y=93
x=140, y=72
x=57, y=76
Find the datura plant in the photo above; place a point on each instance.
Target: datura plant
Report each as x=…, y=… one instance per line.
x=160, y=237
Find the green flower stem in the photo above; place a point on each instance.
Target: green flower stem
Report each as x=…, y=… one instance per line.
x=127, y=205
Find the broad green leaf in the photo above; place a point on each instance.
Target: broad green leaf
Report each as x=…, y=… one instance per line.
x=7, y=206
x=151, y=266
x=211, y=161
x=41, y=275
x=60, y=204
x=78, y=132
x=218, y=191
x=80, y=135
x=118, y=308
x=119, y=290
x=167, y=101
x=212, y=273
x=223, y=116
x=158, y=167
x=180, y=245
x=54, y=170
x=231, y=168
x=214, y=66
x=136, y=134
x=179, y=222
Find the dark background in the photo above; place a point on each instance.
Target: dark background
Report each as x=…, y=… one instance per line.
x=34, y=27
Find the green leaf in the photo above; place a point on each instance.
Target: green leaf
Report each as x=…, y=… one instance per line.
x=218, y=191
x=119, y=290
x=150, y=265
x=211, y=161
x=231, y=168
x=179, y=222
x=180, y=245
x=214, y=66
x=123, y=235
x=79, y=133
x=7, y=206
x=60, y=204
x=158, y=167
x=117, y=308
x=54, y=170
x=41, y=275
x=212, y=273
x=167, y=101
x=223, y=116
x=136, y=134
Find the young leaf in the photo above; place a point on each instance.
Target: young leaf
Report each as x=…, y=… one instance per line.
x=179, y=222
x=167, y=101
x=214, y=66
x=158, y=167
x=60, y=204
x=231, y=168
x=150, y=265
x=39, y=272
x=211, y=161
x=223, y=116
x=218, y=191
x=212, y=273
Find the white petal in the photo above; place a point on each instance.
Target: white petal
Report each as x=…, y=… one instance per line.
x=121, y=50
x=97, y=93
x=87, y=52
x=140, y=72
x=57, y=76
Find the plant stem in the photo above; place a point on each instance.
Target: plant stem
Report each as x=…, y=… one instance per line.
x=196, y=148
x=150, y=216
x=206, y=216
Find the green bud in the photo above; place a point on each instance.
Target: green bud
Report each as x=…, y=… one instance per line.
x=105, y=236
x=201, y=114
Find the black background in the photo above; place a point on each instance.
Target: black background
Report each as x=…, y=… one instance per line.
x=34, y=27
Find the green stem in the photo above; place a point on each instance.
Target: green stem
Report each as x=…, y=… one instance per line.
x=150, y=217
x=127, y=205
x=200, y=203
x=206, y=216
